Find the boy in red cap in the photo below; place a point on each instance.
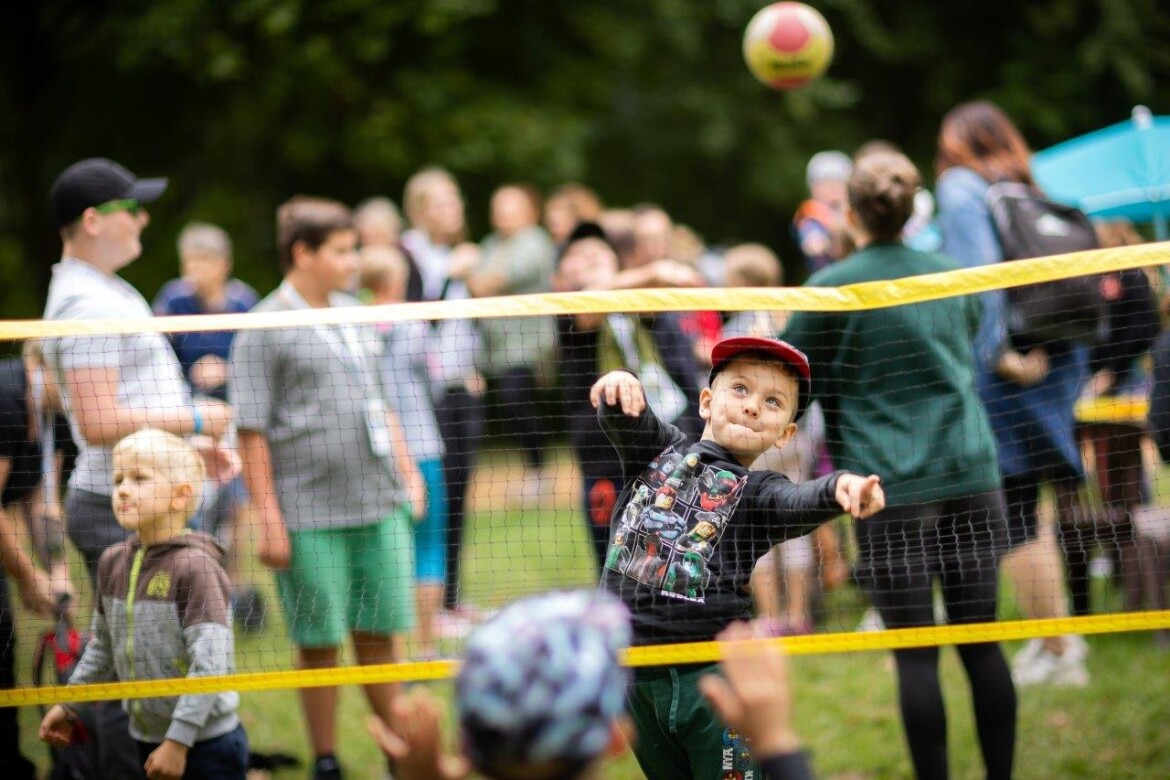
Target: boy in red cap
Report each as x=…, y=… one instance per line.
x=691, y=522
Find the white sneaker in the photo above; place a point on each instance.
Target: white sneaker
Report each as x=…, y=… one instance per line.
x=871, y=621
x=1027, y=653
x=1076, y=645
x=1070, y=671
x=1045, y=666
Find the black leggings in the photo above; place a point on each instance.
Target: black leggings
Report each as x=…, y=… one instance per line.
x=901, y=552
x=513, y=401
x=16, y=765
x=1080, y=529
x=459, y=415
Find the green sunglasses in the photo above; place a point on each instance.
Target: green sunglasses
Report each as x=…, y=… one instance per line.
x=127, y=204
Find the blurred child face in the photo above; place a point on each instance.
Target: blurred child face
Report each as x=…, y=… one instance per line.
x=396, y=287
x=442, y=212
x=335, y=264
x=559, y=218
x=206, y=270
x=585, y=262
x=376, y=232
x=733, y=277
x=652, y=232
x=512, y=211
x=145, y=496
x=834, y=193
x=750, y=408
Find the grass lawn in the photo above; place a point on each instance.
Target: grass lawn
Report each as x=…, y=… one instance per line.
x=845, y=704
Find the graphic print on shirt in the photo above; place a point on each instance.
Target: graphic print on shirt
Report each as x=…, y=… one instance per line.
x=675, y=518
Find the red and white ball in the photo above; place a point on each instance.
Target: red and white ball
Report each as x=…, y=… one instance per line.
x=787, y=45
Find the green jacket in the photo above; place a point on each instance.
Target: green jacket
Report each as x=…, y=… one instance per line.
x=897, y=384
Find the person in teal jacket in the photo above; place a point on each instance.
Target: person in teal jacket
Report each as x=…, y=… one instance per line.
x=897, y=388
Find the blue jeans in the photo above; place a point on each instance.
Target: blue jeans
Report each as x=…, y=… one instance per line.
x=222, y=758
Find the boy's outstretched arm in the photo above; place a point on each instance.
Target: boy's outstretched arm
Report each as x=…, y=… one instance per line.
x=788, y=509
x=861, y=497
x=619, y=387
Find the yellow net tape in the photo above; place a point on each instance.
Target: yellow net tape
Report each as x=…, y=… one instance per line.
x=655, y=655
x=870, y=295
x=854, y=297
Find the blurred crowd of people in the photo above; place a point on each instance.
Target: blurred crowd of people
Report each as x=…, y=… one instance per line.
x=299, y=453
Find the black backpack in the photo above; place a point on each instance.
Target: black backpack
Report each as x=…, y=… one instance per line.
x=1028, y=225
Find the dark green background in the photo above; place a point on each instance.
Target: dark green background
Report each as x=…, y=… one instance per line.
x=245, y=103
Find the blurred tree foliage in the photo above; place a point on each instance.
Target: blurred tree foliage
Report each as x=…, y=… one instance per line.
x=245, y=103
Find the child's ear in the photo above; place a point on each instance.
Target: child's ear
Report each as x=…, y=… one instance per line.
x=705, y=396
x=181, y=496
x=786, y=436
x=300, y=253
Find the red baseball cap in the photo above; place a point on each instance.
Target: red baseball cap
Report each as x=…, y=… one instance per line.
x=729, y=349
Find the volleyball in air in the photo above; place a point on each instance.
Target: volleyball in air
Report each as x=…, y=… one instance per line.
x=787, y=45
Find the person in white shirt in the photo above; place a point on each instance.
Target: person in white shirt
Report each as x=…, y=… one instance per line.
x=111, y=385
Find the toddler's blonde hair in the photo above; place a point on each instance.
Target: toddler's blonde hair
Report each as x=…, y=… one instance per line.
x=382, y=266
x=169, y=454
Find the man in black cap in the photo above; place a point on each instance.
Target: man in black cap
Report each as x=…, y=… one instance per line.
x=115, y=384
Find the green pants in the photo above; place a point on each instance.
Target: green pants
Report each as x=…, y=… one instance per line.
x=679, y=735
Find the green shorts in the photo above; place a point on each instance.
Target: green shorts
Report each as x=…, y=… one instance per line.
x=349, y=579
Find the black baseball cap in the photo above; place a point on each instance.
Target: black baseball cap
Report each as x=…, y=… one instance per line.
x=783, y=352
x=96, y=181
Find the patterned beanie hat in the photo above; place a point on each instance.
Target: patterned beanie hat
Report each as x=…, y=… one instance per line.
x=542, y=682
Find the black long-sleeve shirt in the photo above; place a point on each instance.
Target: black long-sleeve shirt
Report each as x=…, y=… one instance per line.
x=690, y=524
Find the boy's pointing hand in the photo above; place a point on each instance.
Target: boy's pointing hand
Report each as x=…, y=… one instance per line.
x=619, y=387
x=861, y=497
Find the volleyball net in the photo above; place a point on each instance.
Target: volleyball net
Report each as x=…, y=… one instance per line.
x=491, y=477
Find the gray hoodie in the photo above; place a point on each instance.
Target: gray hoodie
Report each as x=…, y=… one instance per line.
x=164, y=611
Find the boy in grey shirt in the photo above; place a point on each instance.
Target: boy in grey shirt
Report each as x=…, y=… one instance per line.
x=327, y=466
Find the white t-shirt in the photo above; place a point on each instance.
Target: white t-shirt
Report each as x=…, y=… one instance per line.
x=149, y=376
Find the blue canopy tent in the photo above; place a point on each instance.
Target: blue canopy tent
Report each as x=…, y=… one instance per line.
x=1121, y=171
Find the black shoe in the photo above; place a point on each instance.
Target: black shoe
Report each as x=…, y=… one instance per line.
x=270, y=762
x=326, y=768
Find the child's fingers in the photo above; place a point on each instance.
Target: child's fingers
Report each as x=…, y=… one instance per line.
x=749, y=665
x=735, y=631
x=722, y=698
x=455, y=767
x=611, y=393
x=871, y=498
x=629, y=399
x=633, y=398
x=390, y=743
x=428, y=719
x=639, y=400
x=843, y=495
